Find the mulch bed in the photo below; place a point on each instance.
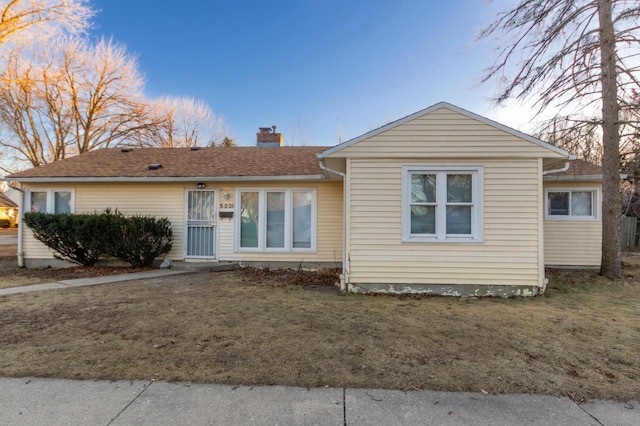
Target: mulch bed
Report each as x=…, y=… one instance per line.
x=323, y=280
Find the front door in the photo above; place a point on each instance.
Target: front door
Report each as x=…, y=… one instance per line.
x=200, y=235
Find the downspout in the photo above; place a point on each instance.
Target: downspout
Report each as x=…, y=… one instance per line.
x=545, y=280
x=345, y=260
x=21, y=228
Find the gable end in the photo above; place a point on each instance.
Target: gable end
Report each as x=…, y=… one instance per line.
x=444, y=130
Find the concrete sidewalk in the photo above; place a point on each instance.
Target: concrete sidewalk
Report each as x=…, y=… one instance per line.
x=81, y=282
x=8, y=238
x=37, y=401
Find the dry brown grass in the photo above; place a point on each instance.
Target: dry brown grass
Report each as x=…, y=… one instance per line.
x=581, y=339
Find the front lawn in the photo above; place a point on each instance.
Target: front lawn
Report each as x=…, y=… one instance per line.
x=581, y=339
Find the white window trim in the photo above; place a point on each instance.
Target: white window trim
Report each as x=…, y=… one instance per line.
x=595, y=204
x=441, y=236
x=50, y=198
x=262, y=229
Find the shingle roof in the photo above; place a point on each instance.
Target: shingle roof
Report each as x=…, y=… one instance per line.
x=580, y=168
x=7, y=202
x=184, y=163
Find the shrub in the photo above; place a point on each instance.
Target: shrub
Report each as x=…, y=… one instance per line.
x=141, y=239
x=84, y=238
x=77, y=238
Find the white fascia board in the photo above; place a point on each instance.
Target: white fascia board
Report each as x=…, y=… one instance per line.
x=139, y=179
x=457, y=109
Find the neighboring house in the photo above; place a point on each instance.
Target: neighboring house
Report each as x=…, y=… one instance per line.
x=442, y=201
x=13, y=194
x=8, y=212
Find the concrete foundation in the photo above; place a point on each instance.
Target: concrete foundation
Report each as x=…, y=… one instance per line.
x=576, y=267
x=47, y=263
x=204, y=266
x=190, y=265
x=305, y=266
x=456, y=290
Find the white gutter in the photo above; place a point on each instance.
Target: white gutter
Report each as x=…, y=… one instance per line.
x=139, y=179
x=345, y=263
x=560, y=170
x=563, y=168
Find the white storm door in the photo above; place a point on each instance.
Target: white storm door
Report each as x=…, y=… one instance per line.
x=200, y=235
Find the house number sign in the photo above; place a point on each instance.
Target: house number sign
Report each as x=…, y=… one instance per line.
x=226, y=206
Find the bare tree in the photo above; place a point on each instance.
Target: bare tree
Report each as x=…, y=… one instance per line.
x=105, y=88
x=182, y=122
x=584, y=139
x=23, y=22
x=28, y=20
x=339, y=131
x=578, y=55
x=299, y=134
x=34, y=113
x=580, y=138
x=70, y=100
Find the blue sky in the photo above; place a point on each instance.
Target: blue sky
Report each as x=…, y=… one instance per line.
x=322, y=69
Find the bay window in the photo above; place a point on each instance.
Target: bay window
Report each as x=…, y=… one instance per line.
x=276, y=220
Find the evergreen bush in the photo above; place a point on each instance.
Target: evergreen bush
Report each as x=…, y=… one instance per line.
x=141, y=239
x=77, y=238
x=84, y=238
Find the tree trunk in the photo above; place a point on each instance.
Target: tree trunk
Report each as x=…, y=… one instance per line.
x=611, y=202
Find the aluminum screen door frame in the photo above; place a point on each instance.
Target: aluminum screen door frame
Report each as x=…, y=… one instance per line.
x=200, y=224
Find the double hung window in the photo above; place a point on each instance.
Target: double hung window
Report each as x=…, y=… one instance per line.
x=442, y=204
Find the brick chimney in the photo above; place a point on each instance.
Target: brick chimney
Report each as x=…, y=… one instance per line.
x=269, y=138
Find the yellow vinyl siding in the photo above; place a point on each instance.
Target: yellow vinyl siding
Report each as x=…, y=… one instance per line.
x=154, y=199
x=573, y=242
x=444, y=134
x=168, y=200
x=510, y=250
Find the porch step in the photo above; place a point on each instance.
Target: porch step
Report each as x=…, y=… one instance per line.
x=204, y=266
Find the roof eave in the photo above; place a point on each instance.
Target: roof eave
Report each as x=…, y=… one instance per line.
x=139, y=179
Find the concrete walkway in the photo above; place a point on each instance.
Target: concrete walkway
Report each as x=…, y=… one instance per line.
x=38, y=401
x=81, y=282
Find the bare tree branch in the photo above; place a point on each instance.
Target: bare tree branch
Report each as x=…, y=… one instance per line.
x=69, y=100
x=23, y=21
x=183, y=122
x=579, y=56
